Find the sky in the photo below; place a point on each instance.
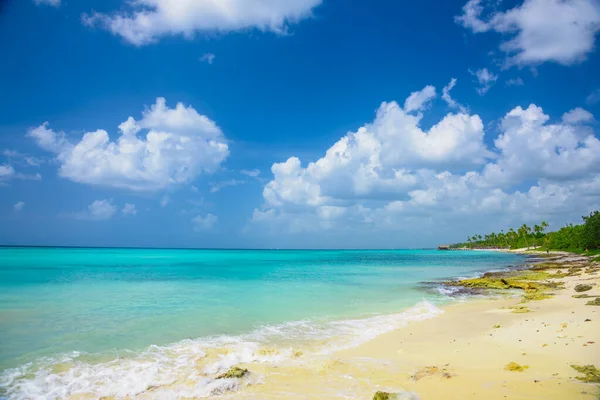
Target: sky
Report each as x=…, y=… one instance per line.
x=295, y=123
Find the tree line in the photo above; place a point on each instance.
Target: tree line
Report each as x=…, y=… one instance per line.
x=584, y=237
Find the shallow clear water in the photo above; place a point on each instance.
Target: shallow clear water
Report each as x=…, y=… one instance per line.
x=104, y=302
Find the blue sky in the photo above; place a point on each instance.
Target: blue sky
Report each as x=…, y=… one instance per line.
x=266, y=91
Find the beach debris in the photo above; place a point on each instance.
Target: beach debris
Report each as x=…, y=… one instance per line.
x=583, y=288
x=395, y=396
x=545, y=345
x=587, y=320
x=383, y=396
x=329, y=366
x=520, y=309
x=514, y=367
x=595, y=302
x=431, y=371
x=297, y=354
x=497, y=326
x=582, y=296
x=234, y=372
x=592, y=374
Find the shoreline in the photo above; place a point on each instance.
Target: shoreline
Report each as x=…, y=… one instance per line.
x=421, y=353
x=464, y=352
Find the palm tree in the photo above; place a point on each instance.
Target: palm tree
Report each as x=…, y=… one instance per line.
x=512, y=235
x=538, y=230
x=523, y=231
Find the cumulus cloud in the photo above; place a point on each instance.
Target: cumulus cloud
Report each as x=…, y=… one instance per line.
x=538, y=31
x=485, y=79
x=53, y=3
x=97, y=211
x=384, y=158
x=419, y=100
x=18, y=207
x=390, y=174
x=202, y=223
x=208, y=58
x=178, y=145
x=577, y=116
x=129, y=209
x=531, y=148
x=146, y=21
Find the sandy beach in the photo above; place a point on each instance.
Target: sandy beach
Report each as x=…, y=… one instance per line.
x=461, y=354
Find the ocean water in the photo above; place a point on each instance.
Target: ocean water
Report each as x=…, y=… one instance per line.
x=115, y=322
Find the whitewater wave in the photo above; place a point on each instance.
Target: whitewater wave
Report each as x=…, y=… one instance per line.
x=189, y=368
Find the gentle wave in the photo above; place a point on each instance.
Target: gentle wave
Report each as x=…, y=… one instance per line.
x=189, y=368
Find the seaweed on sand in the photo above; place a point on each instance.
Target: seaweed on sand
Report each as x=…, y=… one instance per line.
x=234, y=372
x=514, y=367
x=592, y=374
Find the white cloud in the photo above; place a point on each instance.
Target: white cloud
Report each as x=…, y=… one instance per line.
x=53, y=3
x=165, y=200
x=577, y=116
x=179, y=144
x=129, y=209
x=561, y=31
x=146, y=21
x=7, y=173
x=97, y=211
x=208, y=58
x=515, y=82
x=419, y=100
x=531, y=148
x=593, y=98
x=485, y=78
x=383, y=177
x=18, y=207
x=215, y=187
x=22, y=159
x=250, y=172
x=202, y=223
x=448, y=99
x=382, y=159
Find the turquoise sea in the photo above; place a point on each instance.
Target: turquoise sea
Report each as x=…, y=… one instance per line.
x=113, y=322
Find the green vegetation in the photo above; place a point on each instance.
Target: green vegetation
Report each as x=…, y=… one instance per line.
x=234, y=372
x=592, y=374
x=514, y=367
x=595, y=302
x=575, y=238
x=383, y=396
x=583, y=288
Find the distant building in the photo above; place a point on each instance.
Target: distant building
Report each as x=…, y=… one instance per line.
x=444, y=247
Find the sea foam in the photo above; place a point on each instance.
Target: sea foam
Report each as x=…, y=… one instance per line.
x=189, y=368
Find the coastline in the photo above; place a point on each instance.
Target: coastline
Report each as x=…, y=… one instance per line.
x=461, y=353
x=423, y=352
